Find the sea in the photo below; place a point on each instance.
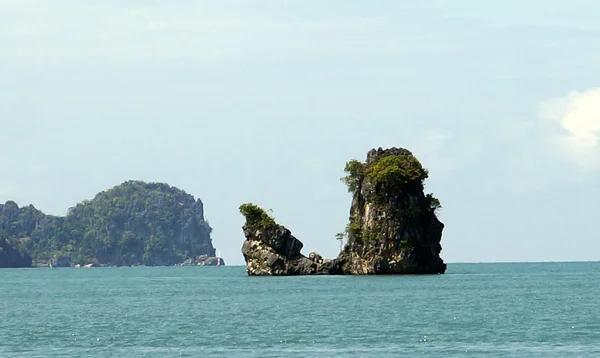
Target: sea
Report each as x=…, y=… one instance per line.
x=474, y=310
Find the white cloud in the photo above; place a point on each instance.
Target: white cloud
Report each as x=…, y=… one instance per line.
x=578, y=115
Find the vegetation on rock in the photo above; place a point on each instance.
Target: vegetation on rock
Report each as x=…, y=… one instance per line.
x=395, y=172
x=388, y=174
x=434, y=203
x=135, y=223
x=355, y=173
x=388, y=177
x=256, y=216
x=393, y=226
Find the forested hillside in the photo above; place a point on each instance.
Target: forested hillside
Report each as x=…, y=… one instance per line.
x=135, y=223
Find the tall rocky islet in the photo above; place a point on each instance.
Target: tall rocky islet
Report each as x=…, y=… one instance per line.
x=393, y=227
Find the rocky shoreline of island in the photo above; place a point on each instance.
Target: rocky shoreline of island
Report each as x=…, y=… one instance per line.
x=65, y=262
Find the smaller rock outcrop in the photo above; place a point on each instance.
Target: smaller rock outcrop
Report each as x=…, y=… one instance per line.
x=60, y=261
x=203, y=260
x=271, y=249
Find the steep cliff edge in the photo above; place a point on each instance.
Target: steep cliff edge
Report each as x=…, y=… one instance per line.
x=393, y=226
x=13, y=253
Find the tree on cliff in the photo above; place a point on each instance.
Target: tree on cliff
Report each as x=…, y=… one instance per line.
x=340, y=237
x=135, y=223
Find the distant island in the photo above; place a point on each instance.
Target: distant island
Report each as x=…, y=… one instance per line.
x=393, y=227
x=133, y=224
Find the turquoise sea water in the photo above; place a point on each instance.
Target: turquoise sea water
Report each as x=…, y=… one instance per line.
x=475, y=310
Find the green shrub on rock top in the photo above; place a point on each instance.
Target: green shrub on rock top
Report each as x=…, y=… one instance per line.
x=256, y=216
x=393, y=172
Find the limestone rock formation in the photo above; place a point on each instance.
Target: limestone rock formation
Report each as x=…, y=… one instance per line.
x=271, y=249
x=393, y=226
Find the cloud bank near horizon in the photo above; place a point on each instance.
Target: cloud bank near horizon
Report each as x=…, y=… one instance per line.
x=578, y=116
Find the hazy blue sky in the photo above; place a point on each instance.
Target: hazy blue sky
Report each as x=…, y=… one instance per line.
x=265, y=100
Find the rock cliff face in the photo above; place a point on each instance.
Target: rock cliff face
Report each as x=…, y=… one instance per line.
x=393, y=226
x=271, y=249
x=13, y=254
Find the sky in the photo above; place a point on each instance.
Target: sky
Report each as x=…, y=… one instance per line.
x=264, y=101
